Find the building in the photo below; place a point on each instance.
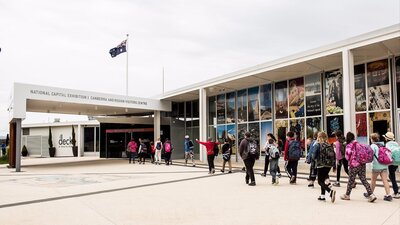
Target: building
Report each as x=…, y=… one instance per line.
x=352, y=85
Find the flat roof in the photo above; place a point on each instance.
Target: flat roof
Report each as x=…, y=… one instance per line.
x=369, y=46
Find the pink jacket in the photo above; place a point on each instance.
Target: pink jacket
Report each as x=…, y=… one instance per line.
x=351, y=154
x=132, y=146
x=338, y=147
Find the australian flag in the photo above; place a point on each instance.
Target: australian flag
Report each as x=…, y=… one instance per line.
x=121, y=48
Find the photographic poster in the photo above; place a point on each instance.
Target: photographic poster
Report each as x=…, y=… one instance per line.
x=266, y=102
x=266, y=127
x=334, y=92
x=230, y=107
x=254, y=129
x=281, y=128
x=221, y=109
x=334, y=123
x=378, y=85
x=296, y=97
x=359, y=88
x=221, y=133
x=379, y=122
x=297, y=126
x=398, y=80
x=281, y=100
x=242, y=106
x=361, y=128
x=231, y=134
x=313, y=125
x=242, y=128
x=254, y=104
x=313, y=84
x=313, y=105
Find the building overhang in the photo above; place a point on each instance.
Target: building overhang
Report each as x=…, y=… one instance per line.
x=371, y=46
x=45, y=99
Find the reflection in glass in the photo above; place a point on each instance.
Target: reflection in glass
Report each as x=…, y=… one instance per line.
x=221, y=109
x=230, y=107
x=296, y=97
x=378, y=85
x=254, y=104
x=242, y=106
x=266, y=102
x=281, y=101
x=359, y=88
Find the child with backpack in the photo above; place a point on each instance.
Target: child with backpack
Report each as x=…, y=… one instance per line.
x=340, y=148
x=226, y=155
x=273, y=161
x=157, y=155
x=355, y=154
x=310, y=160
x=325, y=158
x=395, y=149
x=379, y=169
x=188, y=147
x=153, y=151
x=292, y=156
x=210, y=145
x=142, y=151
x=168, y=151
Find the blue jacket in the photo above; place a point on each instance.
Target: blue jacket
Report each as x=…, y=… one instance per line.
x=311, y=152
x=186, y=145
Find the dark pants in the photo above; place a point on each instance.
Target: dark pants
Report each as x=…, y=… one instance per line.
x=313, y=171
x=210, y=160
x=273, y=168
x=345, y=164
x=132, y=156
x=152, y=157
x=142, y=157
x=291, y=168
x=249, y=164
x=323, y=174
x=167, y=157
x=392, y=177
x=266, y=164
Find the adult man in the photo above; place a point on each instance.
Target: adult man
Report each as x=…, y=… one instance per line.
x=188, y=146
x=248, y=158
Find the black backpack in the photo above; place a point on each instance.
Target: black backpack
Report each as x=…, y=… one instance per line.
x=216, y=149
x=252, y=149
x=326, y=156
x=294, y=151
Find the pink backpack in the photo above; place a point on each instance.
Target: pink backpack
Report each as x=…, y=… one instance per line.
x=167, y=147
x=364, y=153
x=384, y=155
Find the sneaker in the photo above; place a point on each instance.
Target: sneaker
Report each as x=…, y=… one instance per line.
x=366, y=195
x=213, y=171
x=222, y=171
x=333, y=195
x=371, y=198
x=320, y=198
x=310, y=185
x=252, y=183
x=247, y=181
x=194, y=165
x=354, y=185
x=336, y=184
x=388, y=198
x=263, y=174
x=229, y=171
x=396, y=196
x=279, y=175
x=277, y=181
x=345, y=197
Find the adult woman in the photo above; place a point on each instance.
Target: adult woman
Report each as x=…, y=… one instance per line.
x=340, y=148
x=355, y=168
x=324, y=156
x=379, y=169
x=132, y=146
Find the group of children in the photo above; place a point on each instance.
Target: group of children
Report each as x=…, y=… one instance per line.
x=141, y=151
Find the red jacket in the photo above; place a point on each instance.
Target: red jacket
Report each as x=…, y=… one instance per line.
x=286, y=149
x=209, y=146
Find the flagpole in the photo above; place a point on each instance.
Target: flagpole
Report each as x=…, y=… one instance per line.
x=127, y=52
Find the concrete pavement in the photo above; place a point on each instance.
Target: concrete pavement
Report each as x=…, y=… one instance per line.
x=102, y=191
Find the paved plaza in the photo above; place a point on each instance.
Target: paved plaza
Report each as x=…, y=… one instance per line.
x=107, y=191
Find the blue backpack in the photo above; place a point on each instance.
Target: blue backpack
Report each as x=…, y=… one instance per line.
x=294, y=152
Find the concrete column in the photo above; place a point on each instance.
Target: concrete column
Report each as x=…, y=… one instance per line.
x=349, y=115
x=18, y=148
x=79, y=140
x=157, y=125
x=203, y=121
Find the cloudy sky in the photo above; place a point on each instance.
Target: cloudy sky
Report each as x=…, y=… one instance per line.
x=65, y=43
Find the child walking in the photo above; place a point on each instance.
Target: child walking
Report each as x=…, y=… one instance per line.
x=273, y=161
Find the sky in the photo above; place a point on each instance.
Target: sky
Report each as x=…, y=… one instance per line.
x=65, y=43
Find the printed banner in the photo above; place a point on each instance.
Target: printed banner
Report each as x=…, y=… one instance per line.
x=242, y=106
x=334, y=123
x=266, y=102
x=281, y=100
x=334, y=92
x=313, y=105
x=361, y=127
x=296, y=97
x=313, y=125
x=230, y=107
x=378, y=85
x=359, y=88
x=253, y=108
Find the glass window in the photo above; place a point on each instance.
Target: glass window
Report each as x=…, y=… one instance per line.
x=188, y=113
x=253, y=107
x=181, y=110
x=281, y=100
x=221, y=133
x=313, y=124
x=296, y=97
x=221, y=109
x=379, y=122
x=254, y=129
x=266, y=102
x=231, y=132
x=266, y=127
x=195, y=105
x=334, y=123
x=281, y=128
x=242, y=106
x=242, y=128
x=361, y=128
x=359, y=88
x=230, y=108
x=212, y=115
x=378, y=85
x=174, y=112
x=334, y=92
